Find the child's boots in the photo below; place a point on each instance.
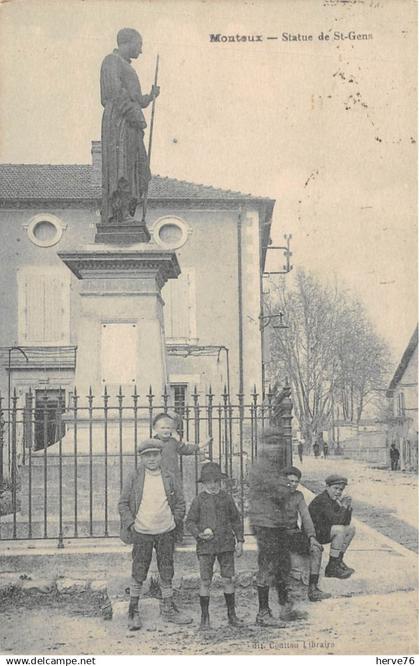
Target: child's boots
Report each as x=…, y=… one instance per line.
x=233, y=619
x=170, y=613
x=205, y=618
x=134, y=620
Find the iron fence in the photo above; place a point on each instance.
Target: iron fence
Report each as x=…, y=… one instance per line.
x=63, y=459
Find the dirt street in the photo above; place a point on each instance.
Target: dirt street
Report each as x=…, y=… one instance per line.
x=356, y=625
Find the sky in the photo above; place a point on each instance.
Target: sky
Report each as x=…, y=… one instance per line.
x=326, y=128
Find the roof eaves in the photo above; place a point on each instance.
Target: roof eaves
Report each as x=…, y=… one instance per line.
x=405, y=359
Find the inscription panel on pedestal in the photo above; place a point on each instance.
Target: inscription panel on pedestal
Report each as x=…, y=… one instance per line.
x=119, y=352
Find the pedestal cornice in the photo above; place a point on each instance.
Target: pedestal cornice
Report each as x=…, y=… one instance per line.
x=116, y=263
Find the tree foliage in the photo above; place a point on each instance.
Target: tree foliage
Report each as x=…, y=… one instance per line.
x=330, y=352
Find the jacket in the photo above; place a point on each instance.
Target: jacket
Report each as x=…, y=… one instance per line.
x=131, y=496
x=268, y=492
x=219, y=512
x=296, y=506
x=171, y=450
x=326, y=512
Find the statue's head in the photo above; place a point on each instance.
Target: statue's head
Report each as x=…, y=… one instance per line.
x=131, y=41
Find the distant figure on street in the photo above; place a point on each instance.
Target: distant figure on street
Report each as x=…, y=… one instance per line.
x=325, y=448
x=331, y=514
x=315, y=448
x=300, y=450
x=395, y=456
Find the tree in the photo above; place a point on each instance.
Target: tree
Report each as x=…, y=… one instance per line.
x=329, y=351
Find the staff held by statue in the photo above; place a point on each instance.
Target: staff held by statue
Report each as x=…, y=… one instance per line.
x=149, y=152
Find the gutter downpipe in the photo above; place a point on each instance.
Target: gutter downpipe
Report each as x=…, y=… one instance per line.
x=240, y=302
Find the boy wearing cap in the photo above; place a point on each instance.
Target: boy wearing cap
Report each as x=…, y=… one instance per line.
x=150, y=506
x=214, y=520
x=303, y=541
x=331, y=514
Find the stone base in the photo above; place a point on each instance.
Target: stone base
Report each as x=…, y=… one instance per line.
x=122, y=234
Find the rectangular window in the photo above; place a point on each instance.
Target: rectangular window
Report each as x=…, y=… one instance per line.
x=48, y=424
x=180, y=307
x=179, y=397
x=43, y=305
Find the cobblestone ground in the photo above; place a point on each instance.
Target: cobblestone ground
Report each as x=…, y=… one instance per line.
x=386, y=501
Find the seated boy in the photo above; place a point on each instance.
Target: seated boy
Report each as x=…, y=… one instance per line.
x=214, y=521
x=331, y=515
x=303, y=541
x=150, y=506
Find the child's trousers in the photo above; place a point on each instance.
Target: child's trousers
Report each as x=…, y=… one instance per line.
x=143, y=545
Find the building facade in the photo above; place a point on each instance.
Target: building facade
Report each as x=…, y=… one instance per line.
x=211, y=312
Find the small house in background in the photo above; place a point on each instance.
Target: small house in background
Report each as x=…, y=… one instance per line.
x=403, y=407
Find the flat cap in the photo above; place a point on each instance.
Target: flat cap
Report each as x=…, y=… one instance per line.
x=336, y=480
x=149, y=445
x=292, y=470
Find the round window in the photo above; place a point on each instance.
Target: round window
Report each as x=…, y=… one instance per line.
x=45, y=230
x=171, y=232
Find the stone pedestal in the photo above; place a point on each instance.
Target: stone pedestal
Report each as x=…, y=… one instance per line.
x=120, y=332
x=126, y=233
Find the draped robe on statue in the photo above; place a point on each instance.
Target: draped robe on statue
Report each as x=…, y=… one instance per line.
x=125, y=169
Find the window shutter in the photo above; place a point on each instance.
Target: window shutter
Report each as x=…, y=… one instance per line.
x=179, y=311
x=33, y=328
x=44, y=306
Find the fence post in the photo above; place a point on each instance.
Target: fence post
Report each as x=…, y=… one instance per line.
x=282, y=417
x=196, y=433
x=60, y=410
x=150, y=397
x=210, y=420
x=286, y=422
x=14, y=462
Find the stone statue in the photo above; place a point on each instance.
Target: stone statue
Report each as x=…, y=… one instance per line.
x=125, y=167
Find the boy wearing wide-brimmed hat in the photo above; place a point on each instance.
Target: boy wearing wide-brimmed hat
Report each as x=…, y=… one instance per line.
x=214, y=520
x=150, y=506
x=331, y=515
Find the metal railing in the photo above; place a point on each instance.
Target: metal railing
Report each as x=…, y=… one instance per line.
x=63, y=461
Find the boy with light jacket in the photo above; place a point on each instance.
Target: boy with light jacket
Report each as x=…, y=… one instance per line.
x=150, y=506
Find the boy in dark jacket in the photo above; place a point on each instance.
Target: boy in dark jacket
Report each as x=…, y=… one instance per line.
x=150, y=506
x=214, y=521
x=331, y=516
x=269, y=492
